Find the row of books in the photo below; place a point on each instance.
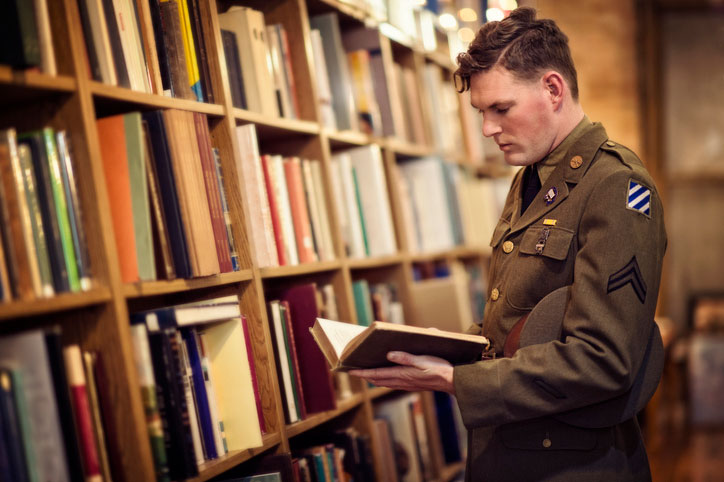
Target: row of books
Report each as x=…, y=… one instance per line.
x=294, y=226
x=55, y=412
x=338, y=456
x=167, y=194
x=43, y=249
x=117, y=50
x=359, y=91
x=26, y=36
x=376, y=302
x=443, y=206
x=259, y=63
x=305, y=379
x=198, y=383
x=359, y=184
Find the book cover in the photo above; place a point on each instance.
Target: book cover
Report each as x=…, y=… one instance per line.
x=346, y=346
x=316, y=378
x=299, y=209
x=233, y=252
x=112, y=137
x=169, y=196
x=75, y=212
x=136, y=156
x=18, y=240
x=147, y=381
x=212, y=192
x=82, y=412
x=224, y=345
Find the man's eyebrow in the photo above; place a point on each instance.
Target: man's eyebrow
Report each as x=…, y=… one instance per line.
x=494, y=105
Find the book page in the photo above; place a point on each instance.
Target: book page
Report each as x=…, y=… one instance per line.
x=339, y=333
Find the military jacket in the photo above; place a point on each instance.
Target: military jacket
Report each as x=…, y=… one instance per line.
x=596, y=225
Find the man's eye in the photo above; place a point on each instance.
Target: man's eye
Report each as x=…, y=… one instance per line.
x=502, y=110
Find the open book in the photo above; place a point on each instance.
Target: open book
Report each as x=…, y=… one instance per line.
x=347, y=346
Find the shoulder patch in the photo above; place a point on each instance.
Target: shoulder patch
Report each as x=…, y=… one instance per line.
x=638, y=198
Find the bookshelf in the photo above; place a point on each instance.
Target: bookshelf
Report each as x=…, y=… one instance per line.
x=98, y=319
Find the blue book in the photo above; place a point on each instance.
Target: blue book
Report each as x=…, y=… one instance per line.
x=202, y=400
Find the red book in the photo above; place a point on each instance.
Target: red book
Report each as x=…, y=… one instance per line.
x=276, y=222
x=81, y=410
x=218, y=223
x=254, y=382
x=300, y=213
x=287, y=317
x=316, y=378
x=112, y=137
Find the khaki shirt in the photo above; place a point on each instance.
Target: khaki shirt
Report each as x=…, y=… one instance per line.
x=596, y=225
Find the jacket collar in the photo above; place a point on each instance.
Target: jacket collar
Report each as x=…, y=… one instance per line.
x=570, y=169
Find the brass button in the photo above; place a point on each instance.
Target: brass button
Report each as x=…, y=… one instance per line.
x=610, y=143
x=495, y=294
x=508, y=247
x=576, y=162
x=547, y=443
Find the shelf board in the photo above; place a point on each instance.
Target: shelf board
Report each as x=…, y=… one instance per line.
x=271, y=128
x=61, y=302
x=212, y=468
x=406, y=149
x=343, y=139
x=107, y=95
x=456, y=252
x=348, y=9
x=320, y=418
x=300, y=269
x=22, y=86
x=375, y=262
x=153, y=288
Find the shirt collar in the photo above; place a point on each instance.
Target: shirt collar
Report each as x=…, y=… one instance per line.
x=547, y=165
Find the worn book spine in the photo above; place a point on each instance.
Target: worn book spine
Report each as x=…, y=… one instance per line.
x=173, y=39
x=195, y=12
x=233, y=252
x=192, y=65
x=233, y=68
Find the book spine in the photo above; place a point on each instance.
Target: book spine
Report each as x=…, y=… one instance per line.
x=81, y=410
x=300, y=215
x=161, y=48
x=173, y=39
x=274, y=210
x=194, y=79
x=293, y=357
x=199, y=387
x=233, y=253
x=201, y=50
x=89, y=364
x=75, y=211
x=178, y=346
x=218, y=423
x=10, y=431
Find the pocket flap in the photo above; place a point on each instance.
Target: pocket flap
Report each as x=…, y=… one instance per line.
x=547, y=434
x=552, y=242
x=501, y=230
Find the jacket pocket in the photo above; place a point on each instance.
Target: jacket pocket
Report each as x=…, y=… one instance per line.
x=547, y=241
x=547, y=434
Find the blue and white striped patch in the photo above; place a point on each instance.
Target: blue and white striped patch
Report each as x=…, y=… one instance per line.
x=639, y=198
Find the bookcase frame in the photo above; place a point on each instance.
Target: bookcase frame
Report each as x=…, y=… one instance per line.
x=98, y=319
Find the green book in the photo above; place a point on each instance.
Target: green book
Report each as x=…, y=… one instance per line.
x=36, y=220
x=139, y=195
x=362, y=302
x=61, y=208
x=21, y=410
x=361, y=213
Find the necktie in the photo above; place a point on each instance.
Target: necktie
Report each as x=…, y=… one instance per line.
x=531, y=186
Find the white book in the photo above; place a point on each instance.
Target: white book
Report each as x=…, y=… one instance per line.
x=372, y=183
x=273, y=36
x=318, y=181
x=276, y=171
x=315, y=214
x=324, y=93
x=339, y=208
x=101, y=40
x=126, y=21
x=191, y=407
x=45, y=38
x=284, y=362
x=357, y=246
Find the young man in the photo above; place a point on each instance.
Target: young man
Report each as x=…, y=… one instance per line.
x=582, y=218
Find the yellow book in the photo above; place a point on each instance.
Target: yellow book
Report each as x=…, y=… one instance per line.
x=225, y=348
x=192, y=65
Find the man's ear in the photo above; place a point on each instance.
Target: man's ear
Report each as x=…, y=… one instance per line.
x=554, y=85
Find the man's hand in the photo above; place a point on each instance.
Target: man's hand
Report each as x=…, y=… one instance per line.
x=416, y=373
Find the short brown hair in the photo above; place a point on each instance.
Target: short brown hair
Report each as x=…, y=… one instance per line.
x=524, y=45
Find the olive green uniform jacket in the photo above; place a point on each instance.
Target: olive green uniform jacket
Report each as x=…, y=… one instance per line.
x=596, y=225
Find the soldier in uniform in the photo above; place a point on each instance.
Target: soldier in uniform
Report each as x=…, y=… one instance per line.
x=583, y=215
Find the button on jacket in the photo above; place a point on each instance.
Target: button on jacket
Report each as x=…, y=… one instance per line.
x=596, y=225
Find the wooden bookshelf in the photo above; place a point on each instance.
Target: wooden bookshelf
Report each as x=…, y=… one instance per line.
x=98, y=319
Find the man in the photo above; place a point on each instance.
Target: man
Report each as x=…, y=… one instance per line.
x=582, y=213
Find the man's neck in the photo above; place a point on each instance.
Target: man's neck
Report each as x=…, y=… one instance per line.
x=571, y=116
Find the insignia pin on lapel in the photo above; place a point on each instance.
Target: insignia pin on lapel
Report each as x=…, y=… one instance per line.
x=551, y=195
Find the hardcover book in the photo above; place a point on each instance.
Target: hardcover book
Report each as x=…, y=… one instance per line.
x=347, y=346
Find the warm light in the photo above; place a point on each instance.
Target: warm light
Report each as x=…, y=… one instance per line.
x=494, y=14
x=467, y=14
x=466, y=35
x=419, y=3
x=448, y=22
x=508, y=4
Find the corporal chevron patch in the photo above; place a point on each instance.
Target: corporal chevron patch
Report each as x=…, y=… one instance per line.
x=639, y=198
x=628, y=274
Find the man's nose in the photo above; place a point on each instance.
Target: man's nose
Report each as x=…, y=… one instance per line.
x=490, y=128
